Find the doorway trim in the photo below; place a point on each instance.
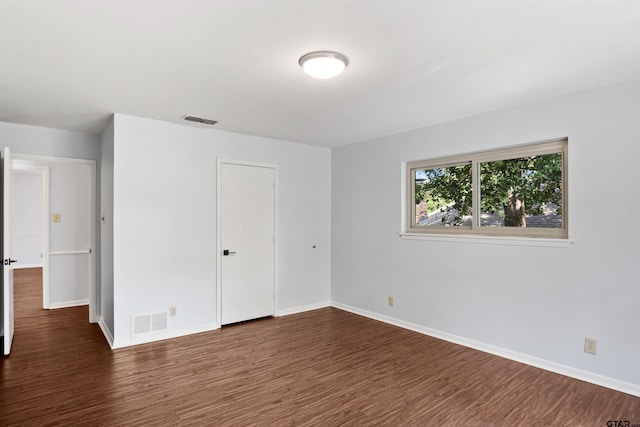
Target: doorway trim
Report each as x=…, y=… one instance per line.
x=44, y=161
x=275, y=167
x=44, y=172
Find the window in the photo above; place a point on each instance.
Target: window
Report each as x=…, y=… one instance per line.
x=519, y=191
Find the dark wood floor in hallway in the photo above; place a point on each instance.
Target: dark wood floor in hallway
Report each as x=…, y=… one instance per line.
x=321, y=368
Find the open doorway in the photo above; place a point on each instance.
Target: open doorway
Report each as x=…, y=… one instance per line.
x=29, y=225
x=62, y=247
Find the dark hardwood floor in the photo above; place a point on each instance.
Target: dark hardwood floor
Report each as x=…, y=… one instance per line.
x=325, y=367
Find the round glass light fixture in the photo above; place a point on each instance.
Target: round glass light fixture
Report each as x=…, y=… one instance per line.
x=323, y=64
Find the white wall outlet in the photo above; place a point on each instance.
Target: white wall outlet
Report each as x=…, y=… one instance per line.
x=173, y=311
x=390, y=301
x=590, y=345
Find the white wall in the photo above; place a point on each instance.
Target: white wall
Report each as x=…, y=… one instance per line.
x=49, y=142
x=26, y=218
x=164, y=221
x=539, y=302
x=70, y=197
x=106, y=230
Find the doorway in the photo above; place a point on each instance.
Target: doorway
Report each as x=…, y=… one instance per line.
x=29, y=225
x=246, y=219
x=69, y=234
x=68, y=230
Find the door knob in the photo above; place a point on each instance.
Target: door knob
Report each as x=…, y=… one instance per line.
x=227, y=252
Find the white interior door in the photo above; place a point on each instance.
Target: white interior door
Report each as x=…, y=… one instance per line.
x=7, y=269
x=247, y=242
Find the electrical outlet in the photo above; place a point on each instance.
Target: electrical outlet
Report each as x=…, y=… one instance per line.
x=390, y=301
x=173, y=311
x=590, y=345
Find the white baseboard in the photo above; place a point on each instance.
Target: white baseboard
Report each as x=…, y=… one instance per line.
x=106, y=332
x=590, y=377
x=174, y=333
x=302, y=308
x=66, y=304
x=163, y=335
x=20, y=266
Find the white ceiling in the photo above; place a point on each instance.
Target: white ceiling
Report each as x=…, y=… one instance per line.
x=70, y=63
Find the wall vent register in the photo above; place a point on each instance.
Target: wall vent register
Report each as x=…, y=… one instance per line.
x=200, y=120
x=146, y=323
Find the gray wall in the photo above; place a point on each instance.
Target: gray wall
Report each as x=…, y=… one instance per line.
x=537, y=301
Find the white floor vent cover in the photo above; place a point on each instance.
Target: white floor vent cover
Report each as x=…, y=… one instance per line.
x=158, y=321
x=145, y=323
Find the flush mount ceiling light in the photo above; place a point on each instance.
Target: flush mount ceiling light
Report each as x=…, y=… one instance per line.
x=323, y=64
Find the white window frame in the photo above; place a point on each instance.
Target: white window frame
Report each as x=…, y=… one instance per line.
x=557, y=146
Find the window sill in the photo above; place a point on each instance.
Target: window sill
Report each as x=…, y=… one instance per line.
x=490, y=240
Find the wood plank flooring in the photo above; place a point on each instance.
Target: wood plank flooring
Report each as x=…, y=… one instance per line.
x=321, y=368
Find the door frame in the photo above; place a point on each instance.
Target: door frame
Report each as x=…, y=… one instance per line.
x=44, y=171
x=8, y=308
x=38, y=160
x=275, y=167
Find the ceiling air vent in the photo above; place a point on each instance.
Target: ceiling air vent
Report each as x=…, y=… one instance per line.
x=200, y=120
